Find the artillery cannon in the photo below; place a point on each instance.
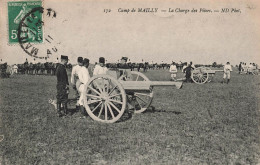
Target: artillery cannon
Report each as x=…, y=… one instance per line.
x=106, y=97
x=201, y=75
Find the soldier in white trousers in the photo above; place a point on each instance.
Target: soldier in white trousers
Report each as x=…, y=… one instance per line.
x=227, y=70
x=84, y=77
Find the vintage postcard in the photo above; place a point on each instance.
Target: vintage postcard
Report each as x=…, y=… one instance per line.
x=129, y=82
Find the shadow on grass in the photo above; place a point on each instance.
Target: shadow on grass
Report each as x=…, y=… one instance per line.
x=153, y=110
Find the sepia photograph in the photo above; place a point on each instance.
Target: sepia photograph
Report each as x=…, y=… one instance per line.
x=127, y=82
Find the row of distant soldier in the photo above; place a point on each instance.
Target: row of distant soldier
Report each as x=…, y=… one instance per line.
x=49, y=68
x=247, y=68
x=33, y=68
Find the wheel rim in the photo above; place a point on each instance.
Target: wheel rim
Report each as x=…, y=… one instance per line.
x=199, y=76
x=104, y=99
x=142, y=99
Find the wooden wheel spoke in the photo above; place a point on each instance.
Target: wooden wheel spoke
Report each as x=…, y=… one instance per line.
x=101, y=109
x=119, y=102
x=110, y=110
x=137, y=77
x=114, y=107
x=143, y=94
x=105, y=111
x=119, y=94
x=195, y=78
x=141, y=99
x=94, y=90
x=139, y=103
x=103, y=88
x=195, y=75
x=93, y=101
x=96, y=107
x=112, y=90
x=99, y=88
x=95, y=96
x=200, y=80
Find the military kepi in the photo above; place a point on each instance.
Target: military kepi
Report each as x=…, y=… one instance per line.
x=80, y=59
x=63, y=57
x=124, y=58
x=102, y=60
x=86, y=60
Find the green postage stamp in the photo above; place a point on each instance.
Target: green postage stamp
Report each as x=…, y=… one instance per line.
x=19, y=13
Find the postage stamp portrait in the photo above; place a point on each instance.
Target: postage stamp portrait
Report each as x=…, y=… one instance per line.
x=19, y=15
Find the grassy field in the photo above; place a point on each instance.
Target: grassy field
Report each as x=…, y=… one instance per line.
x=212, y=123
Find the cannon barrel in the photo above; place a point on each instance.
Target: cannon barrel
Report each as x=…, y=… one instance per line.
x=166, y=83
x=145, y=85
x=212, y=71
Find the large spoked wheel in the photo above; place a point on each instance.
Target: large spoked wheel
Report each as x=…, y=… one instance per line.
x=142, y=99
x=104, y=99
x=199, y=75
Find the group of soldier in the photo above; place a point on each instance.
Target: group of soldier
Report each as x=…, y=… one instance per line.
x=186, y=69
x=79, y=78
x=34, y=67
x=247, y=68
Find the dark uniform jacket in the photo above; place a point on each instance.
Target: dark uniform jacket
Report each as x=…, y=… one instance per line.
x=62, y=77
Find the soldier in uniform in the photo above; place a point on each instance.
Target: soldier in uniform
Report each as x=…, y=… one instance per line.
x=74, y=76
x=123, y=63
x=240, y=68
x=173, y=71
x=227, y=70
x=62, y=85
x=83, y=79
x=131, y=101
x=124, y=68
x=187, y=72
x=101, y=67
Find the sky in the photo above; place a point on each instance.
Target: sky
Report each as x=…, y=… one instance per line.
x=82, y=28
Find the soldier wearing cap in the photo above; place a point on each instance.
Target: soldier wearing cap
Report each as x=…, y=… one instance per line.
x=124, y=68
x=125, y=71
x=123, y=63
x=101, y=67
x=83, y=79
x=173, y=71
x=62, y=85
x=227, y=70
x=74, y=74
x=75, y=71
x=187, y=70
